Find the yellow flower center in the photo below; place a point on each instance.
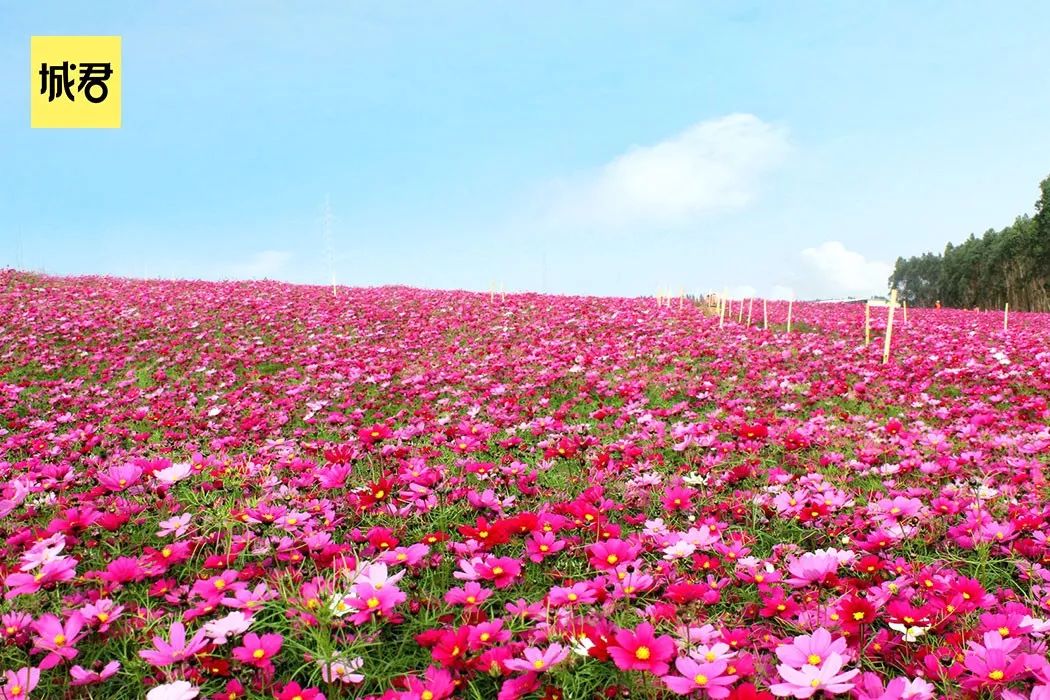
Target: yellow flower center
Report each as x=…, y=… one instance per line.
x=380, y=493
x=642, y=653
x=259, y=653
x=426, y=695
x=700, y=679
x=166, y=552
x=497, y=570
x=60, y=639
x=572, y=596
x=372, y=602
x=813, y=660
x=102, y=617
x=537, y=664
x=858, y=616
x=612, y=559
x=1004, y=632
x=996, y=675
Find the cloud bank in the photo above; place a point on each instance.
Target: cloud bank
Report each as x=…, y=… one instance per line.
x=836, y=270
x=714, y=165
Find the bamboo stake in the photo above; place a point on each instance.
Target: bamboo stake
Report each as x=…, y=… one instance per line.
x=1006, y=315
x=889, y=328
x=722, y=312
x=750, y=303
x=867, y=323
x=905, y=308
x=790, y=302
x=765, y=317
x=740, y=312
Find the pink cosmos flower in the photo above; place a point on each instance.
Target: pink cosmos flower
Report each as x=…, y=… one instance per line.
x=343, y=670
x=57, y=638
x=436, y=684
x=502, y=571
x=642, y=650
x=538, y=660
x=708, y=676
x=82, y=676
x=368, y=601
x=804, y=682
x=471, y=595
x=119, y=478
x=812, y=649
x=870, y=687
x=177, y=650
x=542, y=545
x=54, y=571
x=257, y=651
x=177, y=525
x=612, y=553
x=19, y=684
x=577, y=594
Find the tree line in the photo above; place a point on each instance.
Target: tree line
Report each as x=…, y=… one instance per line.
x=1008, y=266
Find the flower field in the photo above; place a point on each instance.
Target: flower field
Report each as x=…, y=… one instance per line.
x=261, y=490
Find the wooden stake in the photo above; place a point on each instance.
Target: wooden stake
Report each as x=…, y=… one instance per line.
x=765, y=317
x=1006, y=315
x=790, y=302
x=750, y=303
x=867, y=323
x=681, y=297
x=905, y=309
x=740, y=312
x=889, y=328
x=722, y=312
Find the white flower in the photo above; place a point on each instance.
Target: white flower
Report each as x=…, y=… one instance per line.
x=174, y=473
x=179, y=690
x=679, y=550
x=581, y=645
x=911, y=634
x=234, y=624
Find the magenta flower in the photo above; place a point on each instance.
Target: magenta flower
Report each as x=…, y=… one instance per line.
x=57, y=638
x=54, y=571
x=538, y=660
x=19, y=684
x=642, y=650
x=120, y=478
x=177, y=650
x=709, y=677
x=257, y=651
x=82, y=676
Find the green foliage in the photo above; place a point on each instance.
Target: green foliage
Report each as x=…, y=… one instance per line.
x=1011, y=266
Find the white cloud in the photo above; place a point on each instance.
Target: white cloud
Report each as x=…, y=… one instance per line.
x=781, y=292
x=265, y=264
x=838, y=270
x=714, y=165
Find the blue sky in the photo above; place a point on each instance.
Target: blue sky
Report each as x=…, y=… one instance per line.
x=585, y=147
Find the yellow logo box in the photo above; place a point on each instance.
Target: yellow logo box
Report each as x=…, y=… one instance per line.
x=74, y=82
